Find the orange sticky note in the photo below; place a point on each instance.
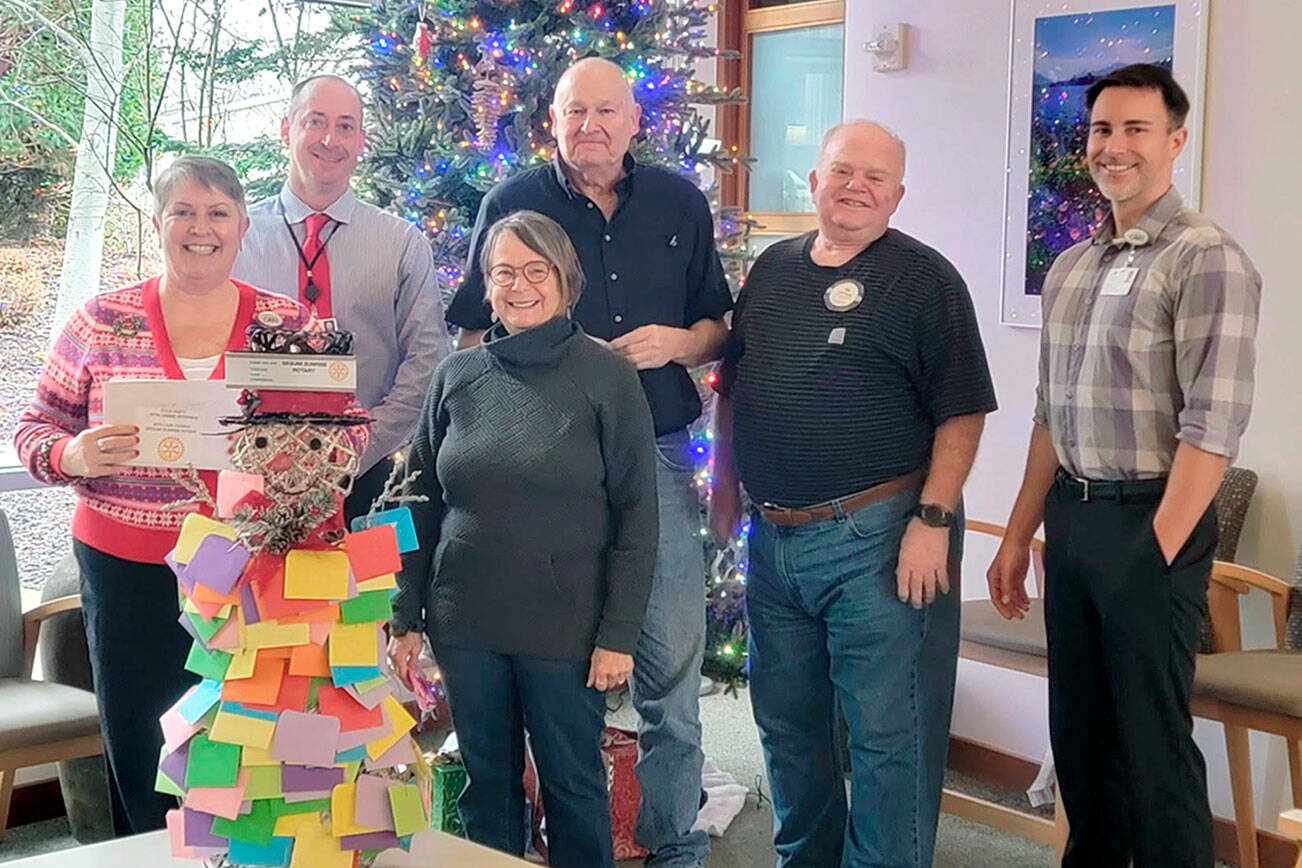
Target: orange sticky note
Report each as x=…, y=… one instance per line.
x=262, y=687
x=312, y=574
x=309, y=660
x=373, y=552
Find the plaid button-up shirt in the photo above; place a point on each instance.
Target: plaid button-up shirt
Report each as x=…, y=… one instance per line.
x=1124, y=377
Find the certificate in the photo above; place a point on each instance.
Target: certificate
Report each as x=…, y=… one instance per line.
x=179, y=420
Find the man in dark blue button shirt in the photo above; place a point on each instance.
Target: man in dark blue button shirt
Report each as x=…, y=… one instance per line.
x=654, y=288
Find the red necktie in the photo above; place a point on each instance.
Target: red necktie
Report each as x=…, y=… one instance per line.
x=318, y=276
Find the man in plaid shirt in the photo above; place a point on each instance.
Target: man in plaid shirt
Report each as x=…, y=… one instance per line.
x=1145, y=386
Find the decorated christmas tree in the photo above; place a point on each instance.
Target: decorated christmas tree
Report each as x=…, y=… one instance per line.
x=459, y=92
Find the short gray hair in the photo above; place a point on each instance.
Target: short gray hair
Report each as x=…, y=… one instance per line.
x=298, y=93
x=864, y=122
x=205, y=171
x=543, y=236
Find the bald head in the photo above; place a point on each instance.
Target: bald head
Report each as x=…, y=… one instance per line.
x=858, y=182
x=594, y=117
x=864, y=134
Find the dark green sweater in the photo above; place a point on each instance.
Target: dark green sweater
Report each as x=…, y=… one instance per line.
x=539, y=535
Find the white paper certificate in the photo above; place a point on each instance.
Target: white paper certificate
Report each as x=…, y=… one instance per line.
x=178, y=420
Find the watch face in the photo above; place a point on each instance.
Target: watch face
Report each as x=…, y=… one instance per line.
x=933, y=515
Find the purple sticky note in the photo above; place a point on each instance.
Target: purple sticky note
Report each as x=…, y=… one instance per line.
x=401, y=753
x=217, y=563
x=173, y=765
x=349, y=739
x=373, y=809
x=299, y=779
x=305, y=739
x=249, y=605
x=198, y=830
x=370, y=841
x=177, y=568
x=308, y=795
x=372, y=697
x=188, y=626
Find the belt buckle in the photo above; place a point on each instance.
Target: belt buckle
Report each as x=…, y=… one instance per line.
x=1085, y=484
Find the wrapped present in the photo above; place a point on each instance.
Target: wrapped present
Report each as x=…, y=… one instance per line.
x=449, y=781
x=619, y=753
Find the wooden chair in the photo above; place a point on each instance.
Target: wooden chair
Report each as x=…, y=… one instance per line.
x=1247, y=690
x=40, y=722
x=1290, y=823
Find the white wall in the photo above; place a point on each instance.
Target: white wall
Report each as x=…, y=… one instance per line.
x=950, y=106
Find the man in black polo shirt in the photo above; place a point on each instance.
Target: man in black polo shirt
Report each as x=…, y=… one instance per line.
x=852, y=396
x=654, y=288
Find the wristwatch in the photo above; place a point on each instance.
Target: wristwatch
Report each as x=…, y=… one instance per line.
x=934, y=515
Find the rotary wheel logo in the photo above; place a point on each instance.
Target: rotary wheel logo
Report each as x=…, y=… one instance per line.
x=170, y=449
x=338, y=371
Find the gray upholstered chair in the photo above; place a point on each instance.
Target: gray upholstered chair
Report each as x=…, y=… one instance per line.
x=40, y=722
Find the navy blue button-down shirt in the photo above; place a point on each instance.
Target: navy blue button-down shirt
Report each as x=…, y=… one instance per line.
x=653, y=263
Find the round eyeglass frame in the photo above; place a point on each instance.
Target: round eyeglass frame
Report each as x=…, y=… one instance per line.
x=505, y=275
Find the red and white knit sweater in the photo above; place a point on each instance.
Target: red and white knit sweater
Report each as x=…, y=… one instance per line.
x=121, y=335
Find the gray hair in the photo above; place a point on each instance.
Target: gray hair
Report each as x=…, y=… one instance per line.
x=205, y=171
x=298, y=93
x=543, y=236
x=864, y=122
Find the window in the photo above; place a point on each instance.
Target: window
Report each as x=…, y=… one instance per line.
x=791, y=69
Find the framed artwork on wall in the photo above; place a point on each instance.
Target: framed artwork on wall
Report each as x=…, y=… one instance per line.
x=1058, y=49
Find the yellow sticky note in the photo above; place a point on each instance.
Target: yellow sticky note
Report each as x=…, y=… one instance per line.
x=264, y=783
x=316, y=575
x=257, y=756
x=287, y=826
x=314, y=848
x=353, y=645
x=242, y=730
x=408, y=815
x=343, y=810
x=241, y=665
x=194, y=529
x=269, y=634
x=401, y=723
x=379, y=583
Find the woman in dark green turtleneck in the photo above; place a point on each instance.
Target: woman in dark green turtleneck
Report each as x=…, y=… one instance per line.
x=537, y=545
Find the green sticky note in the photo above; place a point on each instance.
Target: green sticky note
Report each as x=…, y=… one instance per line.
x=366, y=606
x=408, y=815
x=207, y=664
x=282, y=808
x=164, y=784
x=205, y=629
x=264, y=783
x=211, y=763
x=254, y=827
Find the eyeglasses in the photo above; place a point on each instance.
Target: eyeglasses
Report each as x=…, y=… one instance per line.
x=534, y=272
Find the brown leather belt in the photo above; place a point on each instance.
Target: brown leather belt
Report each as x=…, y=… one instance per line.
x=789, y=516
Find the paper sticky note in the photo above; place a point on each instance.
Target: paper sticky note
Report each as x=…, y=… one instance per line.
x=292, y=697
x=399, y=717
x=253, y=756
x=386, y=582
x=309, y=659
x=351, y=739
x=287, y=824
x=199, y=699
x=227, y=637
x=262, y=687
x=316, y=574
x=351, y=713
x=272, y=634
x=402, y=523
x=211, y=763
x=231, y=486
x=353, y=645
x=276, y=852
x=408, y=814
x=309, y=779
x=217, y=563
x=176, y=834
x=197, y=829
x=219, y=801
x=264, y=782
x=315, y=848
x=193, y=529
x=372, y=803
x=305, y=739
x=176, y=729
x=366, y=606
x=373, y=552
x=403, y=752
x=246, y=730
x=254, y=827
x=371, y=692
x=370, y=841
x=207, y=664
x=342, y=676
x=343, y=804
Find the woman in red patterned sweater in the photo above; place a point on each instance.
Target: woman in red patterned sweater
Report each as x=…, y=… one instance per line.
x=174, y=326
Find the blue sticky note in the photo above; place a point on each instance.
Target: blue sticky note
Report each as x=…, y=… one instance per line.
x=346, y=675
x=248, y=853
x=403, y=526
x=205, y=696
x=238, y=708
x=353, y=755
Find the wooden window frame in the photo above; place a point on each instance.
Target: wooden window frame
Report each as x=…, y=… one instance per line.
x=738, y=25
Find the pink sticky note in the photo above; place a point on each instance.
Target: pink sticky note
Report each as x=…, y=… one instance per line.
x=401, y=753
x=351, y=738
x=318, y=632
x=372, y=697
x=233, y=485
x=373, y=810
x=306, y=739
x=176, y=831
x=227, y=636
x=219, y=801
x=176, y=729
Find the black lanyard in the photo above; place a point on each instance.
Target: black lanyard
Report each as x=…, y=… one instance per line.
x=311, y=292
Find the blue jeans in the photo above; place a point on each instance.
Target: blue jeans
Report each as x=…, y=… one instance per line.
x=667, y=670
x=826, y=624
x=494, y=698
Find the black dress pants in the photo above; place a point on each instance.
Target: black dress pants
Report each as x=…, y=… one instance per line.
x=1123, y=631
x=137, y=660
